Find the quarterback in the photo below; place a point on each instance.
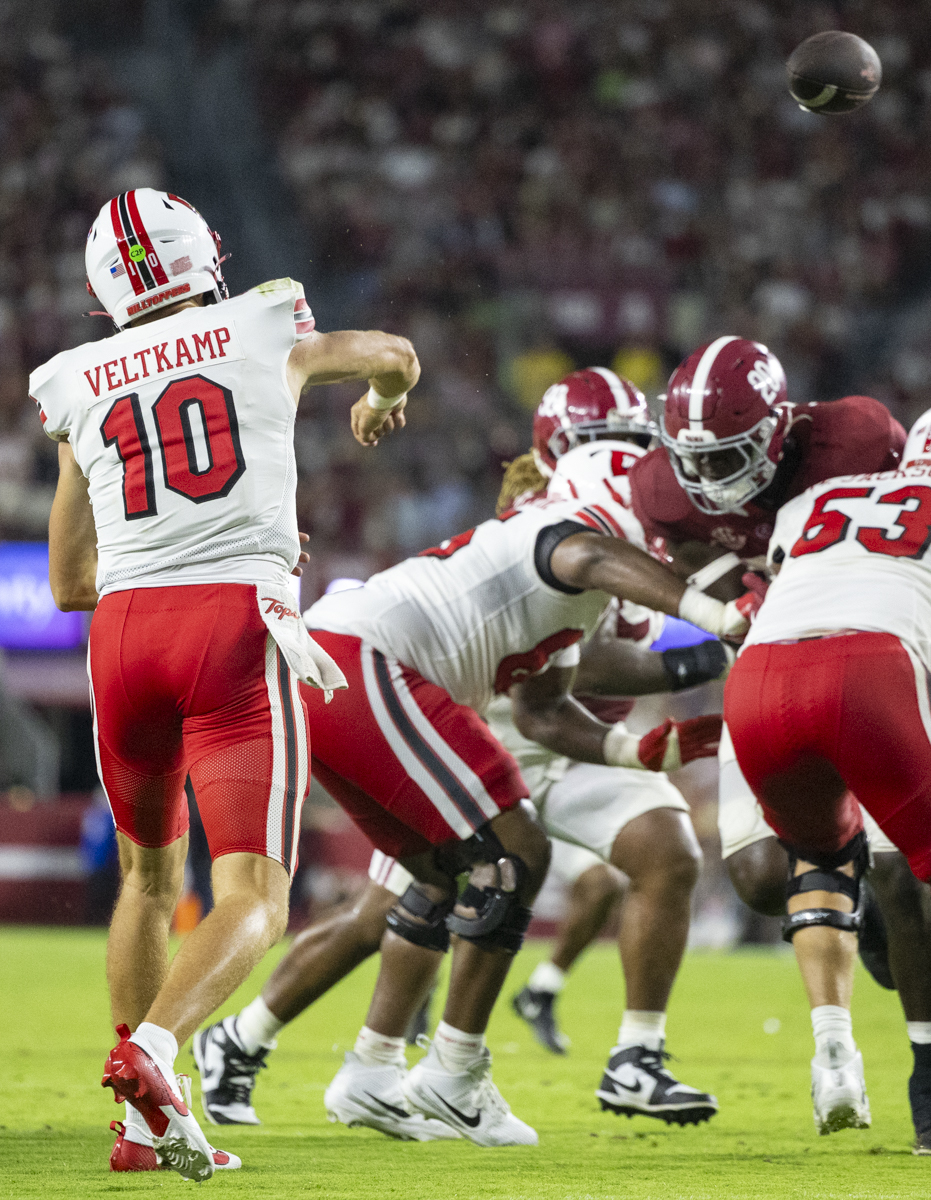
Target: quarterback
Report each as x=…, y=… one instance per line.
x=174, y=518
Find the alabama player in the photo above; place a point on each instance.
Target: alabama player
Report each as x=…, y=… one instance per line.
x=734, y=451
x=175, y=516
x=426, y=645
x=829, y=700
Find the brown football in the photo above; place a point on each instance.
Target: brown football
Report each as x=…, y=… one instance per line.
x=833, y=72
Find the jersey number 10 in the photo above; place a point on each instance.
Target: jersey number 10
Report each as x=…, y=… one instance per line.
x=173, y=410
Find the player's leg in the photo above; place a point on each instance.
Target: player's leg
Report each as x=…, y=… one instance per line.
x=137, y=947
x=141, y=764
x=594, y=887
x=758, y=866
x=231, y=1053
x=510, y=857
x=639, y=822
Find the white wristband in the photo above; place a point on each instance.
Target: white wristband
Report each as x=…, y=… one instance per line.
x=383, y=403
x=702, y=610
x=620, y=747
x=713, y=571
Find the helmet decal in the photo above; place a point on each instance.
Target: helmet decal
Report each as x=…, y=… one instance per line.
x=139, y=258
x=700, y=381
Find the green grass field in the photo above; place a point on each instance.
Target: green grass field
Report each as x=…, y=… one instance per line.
x=54, y=1117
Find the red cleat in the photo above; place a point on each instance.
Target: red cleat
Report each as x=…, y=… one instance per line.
x=130, y=1155
x=177, y=1139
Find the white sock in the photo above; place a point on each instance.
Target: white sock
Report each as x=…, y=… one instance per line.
x=919, y=1032
x=832, y=1025
x=547, y=977
x=642, y=1028
x=376, y=1050
x=457, y=1051
x=160, y=1043
x=256, y=1027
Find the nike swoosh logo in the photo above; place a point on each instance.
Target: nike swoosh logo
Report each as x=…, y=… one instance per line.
x=398, y=1112
x=472, y=1122
x=629, y=1087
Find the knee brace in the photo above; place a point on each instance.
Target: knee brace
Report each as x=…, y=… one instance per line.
x=489, y=912
x=420, y=920
x=826, y=877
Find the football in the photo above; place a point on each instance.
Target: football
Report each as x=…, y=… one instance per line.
x=833, y=72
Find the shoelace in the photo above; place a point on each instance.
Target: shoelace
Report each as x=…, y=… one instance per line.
x=485, y=1095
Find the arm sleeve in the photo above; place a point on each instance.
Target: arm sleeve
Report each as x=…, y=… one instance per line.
x=547, y=540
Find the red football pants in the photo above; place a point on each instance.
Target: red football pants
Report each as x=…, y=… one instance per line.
x=410, y=766
x=187, y=680
x=821, y=723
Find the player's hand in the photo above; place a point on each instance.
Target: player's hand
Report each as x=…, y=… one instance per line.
x=303, y=557
x=369, y=424
x=675, y=743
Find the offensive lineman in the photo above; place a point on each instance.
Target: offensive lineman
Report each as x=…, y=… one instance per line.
x=175, y=509
x=499, y=609
x=734, y=451
x=828, y=702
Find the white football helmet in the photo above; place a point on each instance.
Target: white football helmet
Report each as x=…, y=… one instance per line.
x=148, y=249
x=595, y=472
x=917, y=449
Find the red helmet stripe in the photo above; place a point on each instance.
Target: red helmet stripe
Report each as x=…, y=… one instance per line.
x=153, y=262
x=700, y=381
x=123, y=246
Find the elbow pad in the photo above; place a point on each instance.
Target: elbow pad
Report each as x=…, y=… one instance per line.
x=689, y=666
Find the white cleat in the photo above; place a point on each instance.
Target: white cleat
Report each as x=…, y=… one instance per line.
x=373, y=1096
x=469, y=1101
x=838, y=1091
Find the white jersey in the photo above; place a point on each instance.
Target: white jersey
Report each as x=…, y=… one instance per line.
x=475, y=616
x=855, y=553
x=184, y=429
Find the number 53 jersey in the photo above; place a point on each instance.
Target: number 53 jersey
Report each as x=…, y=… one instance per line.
x=853, y=552
x=183, y=428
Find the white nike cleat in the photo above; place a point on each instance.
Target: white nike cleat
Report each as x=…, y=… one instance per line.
x=838, y=1091
x=468, y=1100
x=373, y=1096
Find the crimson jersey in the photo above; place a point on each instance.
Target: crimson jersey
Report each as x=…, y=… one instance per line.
x=855, y=435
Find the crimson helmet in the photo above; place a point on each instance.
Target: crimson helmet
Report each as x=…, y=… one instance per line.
x=585, y=406
x=724, y=422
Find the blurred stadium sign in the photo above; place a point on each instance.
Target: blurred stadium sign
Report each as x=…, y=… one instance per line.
x=29, y=619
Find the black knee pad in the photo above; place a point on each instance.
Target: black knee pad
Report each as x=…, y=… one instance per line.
x=489, y=911
x=420, y=920
x=826, y=877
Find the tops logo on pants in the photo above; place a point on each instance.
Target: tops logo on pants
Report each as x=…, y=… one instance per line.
x=276, y=608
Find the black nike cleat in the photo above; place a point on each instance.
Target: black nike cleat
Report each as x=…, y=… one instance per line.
x=636, y=1083
x=536, y=1008
x=872, y=941
x=227, y=1074
x=372, y=1096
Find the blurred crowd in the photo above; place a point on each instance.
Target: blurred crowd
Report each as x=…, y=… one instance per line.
x=526, y=187
x=521, y=188
x=67, y=142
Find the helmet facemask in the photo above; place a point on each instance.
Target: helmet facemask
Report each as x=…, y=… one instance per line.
x=744, y=468
x=615, y=427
